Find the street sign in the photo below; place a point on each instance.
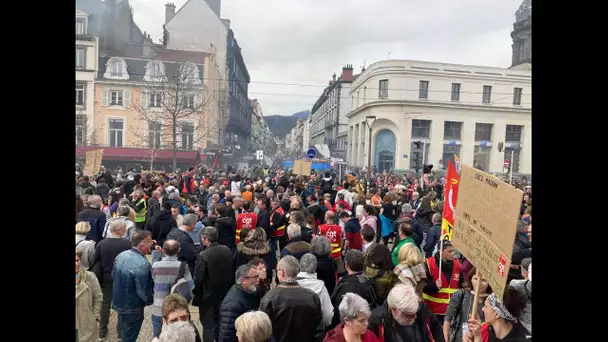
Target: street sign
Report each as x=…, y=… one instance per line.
x=311, y=153
x=507, y=163
x=483, y=143
x=259, y=155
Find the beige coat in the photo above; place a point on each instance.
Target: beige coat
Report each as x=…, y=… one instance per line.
x=88, y=305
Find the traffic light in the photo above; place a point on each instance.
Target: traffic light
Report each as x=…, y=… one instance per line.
x=427, y=168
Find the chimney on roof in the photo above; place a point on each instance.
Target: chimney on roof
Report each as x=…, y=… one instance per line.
x=347, y=73
x=169, y=11
x=334, y=77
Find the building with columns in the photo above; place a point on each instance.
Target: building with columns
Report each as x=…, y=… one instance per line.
x=425, y=112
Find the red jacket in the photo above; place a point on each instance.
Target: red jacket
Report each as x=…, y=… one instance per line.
x=247, y=220
x=337, y=335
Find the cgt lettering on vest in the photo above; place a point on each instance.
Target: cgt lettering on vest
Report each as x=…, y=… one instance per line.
x=488, y=181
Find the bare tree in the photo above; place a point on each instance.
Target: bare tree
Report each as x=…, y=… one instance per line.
x=172, y=108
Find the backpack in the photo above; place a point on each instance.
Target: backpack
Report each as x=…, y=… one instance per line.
x=181, y=285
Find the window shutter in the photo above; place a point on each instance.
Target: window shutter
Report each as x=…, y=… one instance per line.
x=126, y=98
x=104, y=97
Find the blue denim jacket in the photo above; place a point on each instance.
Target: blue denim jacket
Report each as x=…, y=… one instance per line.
x=132, y=288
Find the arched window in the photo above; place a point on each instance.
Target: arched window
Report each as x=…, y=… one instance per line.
x=116, y=68
x=155, y=71
x=190, y=73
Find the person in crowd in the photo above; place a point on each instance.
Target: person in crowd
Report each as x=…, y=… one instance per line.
x=86, y=247
x=295, y=312
x=326, y=266
x=88, y=303
x=411, y=269
x=355, y=281
x=106, y=252
x=187, y=250
x=165, y=273
x=307, y=278
x=403, y=317
x=153, y=205
x=175, y=310
x=354, y=317
x=461, y=304
x=93, y=215
x=140, y=205
x=434, y=235
x=178, y=332
x=378, y=267
x=296, y=247
x=160, y=225
x=524, y=286
x=132, y=289
x=440, y=287
x=368, y=216
x=213, y=278
x=501, y=319
x=254, y=326
x=240, y=299
x=255, y=247
x=405, y=234
x=123, y=212
x=176, y=209
x=225, y=225
x=369, y=236
x=247, y=219
x=352, y=231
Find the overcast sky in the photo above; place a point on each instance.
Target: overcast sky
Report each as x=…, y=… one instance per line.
x=303, y=42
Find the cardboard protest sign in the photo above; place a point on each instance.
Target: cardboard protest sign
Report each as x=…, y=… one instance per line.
x=302, y=167
x=93, y=162
x=485, y=224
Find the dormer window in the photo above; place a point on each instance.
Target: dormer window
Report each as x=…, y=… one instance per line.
x=190, y=73
x=81, y=26
x=116, y=68
x=155, y=71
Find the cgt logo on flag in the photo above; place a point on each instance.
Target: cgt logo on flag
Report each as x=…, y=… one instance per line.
x=502, y=264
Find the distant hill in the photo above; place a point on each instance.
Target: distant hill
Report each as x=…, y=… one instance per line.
x=280, y=125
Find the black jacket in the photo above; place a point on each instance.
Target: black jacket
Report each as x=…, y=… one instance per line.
x=105, y=253
x=213, y=275
x=226, y=231
x=160, y=225
x=425, y=322
x=356, y=283
x=236, y=303
x=153, y=208
x=187, y=250
x=97, y=220
x=326, y=271
x=264, y=222
x=295, y=312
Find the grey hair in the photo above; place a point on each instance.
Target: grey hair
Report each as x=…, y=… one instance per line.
x=115, y=226
x=210, y=232
x=320, y=246
x=189, y=220
x=173, y=195
x=308, y=263
x=212, y=190
x=294, y=230
x=123, y=202
x=290, y=265
x=177, y=332
x=242, y=272
x=123, y=210
x=404, y=298
x=94, y=201
x=352, y=305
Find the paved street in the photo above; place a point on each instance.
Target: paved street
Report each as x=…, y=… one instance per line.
x=145, y=334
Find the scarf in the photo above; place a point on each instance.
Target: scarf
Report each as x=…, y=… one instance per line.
x=412, y=274
x=78, y=279
x=500, y=309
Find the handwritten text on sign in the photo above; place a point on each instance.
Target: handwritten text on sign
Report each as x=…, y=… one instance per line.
x=492, y=206
x=482, y=253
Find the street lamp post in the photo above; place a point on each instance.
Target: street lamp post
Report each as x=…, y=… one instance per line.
x=369, y=121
